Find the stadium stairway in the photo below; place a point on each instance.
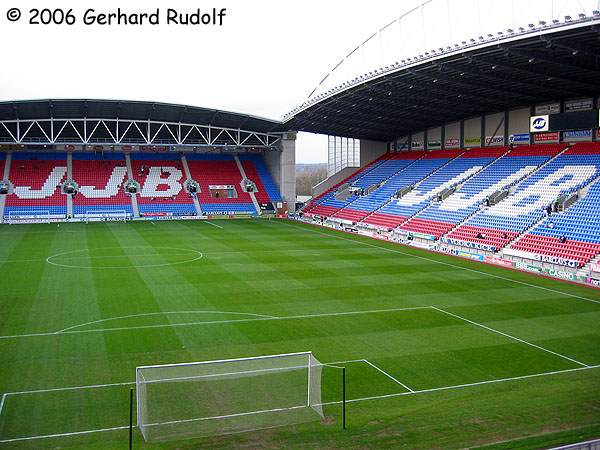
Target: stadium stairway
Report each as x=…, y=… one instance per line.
x=219, y=170
x=317, y=206
x=188, y=176
x=161, y=178
x=245, y=177
x=134, y=203
x=5, y=159
x=452, y=176
x=101, y=179
x=508, y=170
x=363, y=206
x=569, y=171
x=577, y=224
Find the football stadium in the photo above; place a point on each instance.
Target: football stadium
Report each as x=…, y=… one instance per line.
x=162, y=288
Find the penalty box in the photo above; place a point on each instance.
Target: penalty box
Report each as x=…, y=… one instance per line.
x=428, y=341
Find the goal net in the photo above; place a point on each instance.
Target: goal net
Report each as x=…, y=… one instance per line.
x=227, y=396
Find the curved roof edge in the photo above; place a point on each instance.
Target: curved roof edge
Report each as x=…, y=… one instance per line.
x=133, y=110
x=442, y=53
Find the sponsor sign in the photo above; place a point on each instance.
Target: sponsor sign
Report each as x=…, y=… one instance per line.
x=539, y=123
x=418, y=145
x=476, y=245
x=434, y=145
x=527, y=267
x=595, y=268
x=593, y=282
x=469, y=255
x=498, y=261
x=542, y=258
x=563, y=274
x=452, y=143
x=221, y=186
x=549, y=108
x=491, y=141
x=546, y=138
x=577, y=136
x=582, y=104
x=473, y=142
x=520, y=138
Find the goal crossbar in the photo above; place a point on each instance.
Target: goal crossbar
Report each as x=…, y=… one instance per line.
x=226, y=396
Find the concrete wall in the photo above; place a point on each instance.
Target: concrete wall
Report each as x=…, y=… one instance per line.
x=494, y=129
x=283, y=168
x=472, y=132
x=370, y=151
x=332, y=180
x=434, y=138
x=452, y=137
x=518, y=121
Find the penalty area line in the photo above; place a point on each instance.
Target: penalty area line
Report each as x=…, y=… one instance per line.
x=213, y=224
x=514, y=338
x=354, y=400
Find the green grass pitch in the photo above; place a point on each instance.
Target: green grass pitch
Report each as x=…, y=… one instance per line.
x=441, y=352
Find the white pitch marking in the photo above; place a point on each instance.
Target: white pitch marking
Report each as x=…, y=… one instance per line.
x=49, y=258
x=213, y=224
x=466, y=385
x=355, y=400
x=48, y=436
x=212, y=322
x=126, y=383
x=510, y=336
x=2, y=402
x=387, y=375
x=442, y=263
x=160, y=314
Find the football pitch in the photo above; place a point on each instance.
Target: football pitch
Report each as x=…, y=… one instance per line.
x=439, y=352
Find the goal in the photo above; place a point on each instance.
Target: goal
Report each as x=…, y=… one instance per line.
x=112, y=215
x=177, y=401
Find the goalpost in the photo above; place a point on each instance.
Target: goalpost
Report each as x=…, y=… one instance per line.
x=177, y=401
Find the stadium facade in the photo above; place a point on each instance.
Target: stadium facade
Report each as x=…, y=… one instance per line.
x=486, y=149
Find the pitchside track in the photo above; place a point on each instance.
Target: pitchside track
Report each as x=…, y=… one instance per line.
x=439, y=352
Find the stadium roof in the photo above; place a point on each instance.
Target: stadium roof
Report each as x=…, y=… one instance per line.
x=487, y=74
x=132, y=110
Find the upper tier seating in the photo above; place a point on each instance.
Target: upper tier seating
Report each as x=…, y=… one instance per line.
x=256, y=170
x=101, y=181
x=219, y=170
x=441, y=217
x=502, y=222
x=37, y=178
x=161, y=177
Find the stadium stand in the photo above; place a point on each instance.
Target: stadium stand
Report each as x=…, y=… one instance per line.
x=573, y=234
x=219, y=170
x=257, y=171
x=440, y=217
x=37, y=178
x=101, y=181
x=161, y=177
x=500, y=224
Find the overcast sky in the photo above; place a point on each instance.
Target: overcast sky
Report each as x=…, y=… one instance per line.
x=266, y=58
